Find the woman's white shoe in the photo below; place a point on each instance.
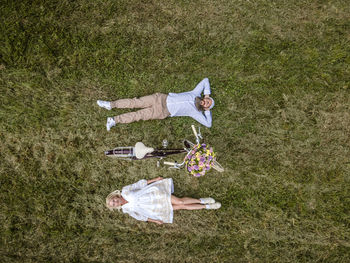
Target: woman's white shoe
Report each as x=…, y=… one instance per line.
x=213, y=206
x=207, y=200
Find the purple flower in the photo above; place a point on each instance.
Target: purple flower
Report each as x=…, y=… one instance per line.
x=207, y=167
x=210, y=158
x=202, y=159
x=189, y=168
x=197, y=175
x=196, y=167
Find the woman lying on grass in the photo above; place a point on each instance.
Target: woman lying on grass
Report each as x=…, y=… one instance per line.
x=153, y=201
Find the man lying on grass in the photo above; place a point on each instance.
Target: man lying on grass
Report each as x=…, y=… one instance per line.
x=160, y=106
x=153, y=201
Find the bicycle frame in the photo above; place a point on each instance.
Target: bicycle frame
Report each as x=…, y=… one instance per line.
x=130, y=152
x=198, y=135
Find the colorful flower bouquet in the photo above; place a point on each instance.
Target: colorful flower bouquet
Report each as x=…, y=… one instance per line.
x=200, y=160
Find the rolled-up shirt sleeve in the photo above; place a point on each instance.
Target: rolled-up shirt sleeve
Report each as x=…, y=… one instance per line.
x=203, y=86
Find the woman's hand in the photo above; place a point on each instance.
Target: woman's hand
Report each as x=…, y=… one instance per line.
x=154, y=180
x=155, y=221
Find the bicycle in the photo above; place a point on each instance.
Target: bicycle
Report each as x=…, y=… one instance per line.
x=141, y=151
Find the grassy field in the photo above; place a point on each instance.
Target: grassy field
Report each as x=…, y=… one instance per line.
x=280, y=74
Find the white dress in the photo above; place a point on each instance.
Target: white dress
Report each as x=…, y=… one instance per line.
x=149, y=201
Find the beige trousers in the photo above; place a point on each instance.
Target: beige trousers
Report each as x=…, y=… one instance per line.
x=153, y=107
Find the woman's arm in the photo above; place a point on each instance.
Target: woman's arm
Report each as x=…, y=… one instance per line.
x=155, y=221
x=138, y=185
x=154, y=180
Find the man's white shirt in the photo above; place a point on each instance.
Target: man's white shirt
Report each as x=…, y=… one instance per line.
x=183, y=104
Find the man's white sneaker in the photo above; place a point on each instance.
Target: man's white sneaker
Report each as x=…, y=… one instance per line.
x=213, y=206
x=207, y=200
x=104, y=104
x=110, y=123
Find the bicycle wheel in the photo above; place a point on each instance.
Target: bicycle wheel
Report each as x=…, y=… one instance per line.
x=217, y=166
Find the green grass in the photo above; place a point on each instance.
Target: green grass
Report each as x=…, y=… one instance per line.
x=280, y=74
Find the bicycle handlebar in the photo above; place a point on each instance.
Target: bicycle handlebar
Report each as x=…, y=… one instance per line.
x=194, y=131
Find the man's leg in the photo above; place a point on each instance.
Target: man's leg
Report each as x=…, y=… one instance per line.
x=157, y=111
x=144, y=114
x=142, y=102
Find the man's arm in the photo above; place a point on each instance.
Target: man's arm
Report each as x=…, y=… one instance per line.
x=205, y=119
x=203, y=86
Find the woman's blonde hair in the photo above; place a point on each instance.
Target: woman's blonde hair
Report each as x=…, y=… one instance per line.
x=110, y=196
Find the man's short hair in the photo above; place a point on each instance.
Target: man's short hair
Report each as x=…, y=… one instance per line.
x=198, y=104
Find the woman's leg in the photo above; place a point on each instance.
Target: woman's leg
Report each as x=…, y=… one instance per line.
x=188, y=207
x=186, y=203
x=184, y=200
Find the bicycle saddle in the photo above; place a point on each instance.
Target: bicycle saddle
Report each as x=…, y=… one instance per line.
x=141, y=150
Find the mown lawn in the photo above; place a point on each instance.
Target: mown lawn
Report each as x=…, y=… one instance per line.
x=280, y=74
